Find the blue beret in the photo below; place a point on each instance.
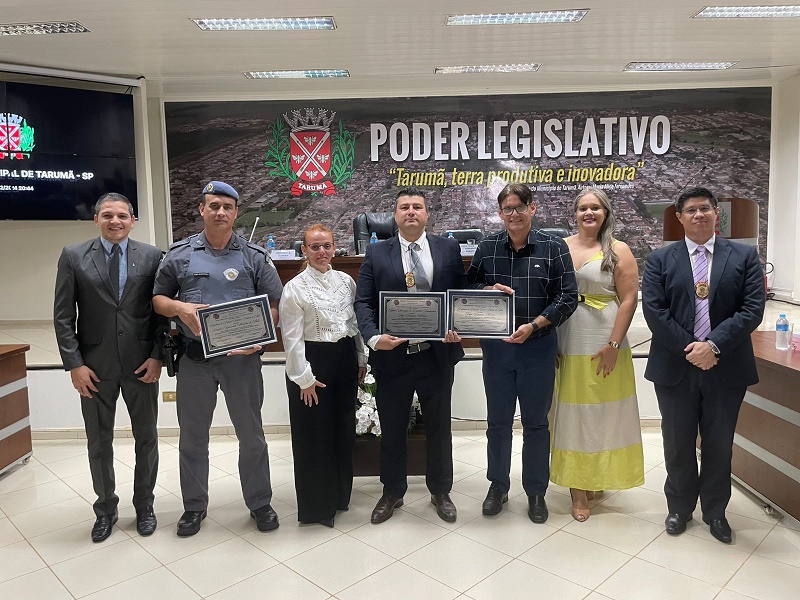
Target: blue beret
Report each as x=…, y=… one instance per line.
x=219, y=188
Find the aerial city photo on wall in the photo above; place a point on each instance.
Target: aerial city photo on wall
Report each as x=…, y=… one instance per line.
x=299, y=162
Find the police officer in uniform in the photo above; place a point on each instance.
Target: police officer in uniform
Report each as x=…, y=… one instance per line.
x=211, y=267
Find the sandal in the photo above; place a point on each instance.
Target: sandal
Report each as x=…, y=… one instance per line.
x=580, y=510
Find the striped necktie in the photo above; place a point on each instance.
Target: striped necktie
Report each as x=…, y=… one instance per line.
x=702, y=320
x=420, y=279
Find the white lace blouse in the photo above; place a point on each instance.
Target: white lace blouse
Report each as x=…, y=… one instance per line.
x=317, y=307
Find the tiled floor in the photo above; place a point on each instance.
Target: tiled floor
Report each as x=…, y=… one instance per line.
x=621, y=552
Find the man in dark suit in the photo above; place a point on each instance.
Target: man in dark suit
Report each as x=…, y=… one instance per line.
x=105, y=287
x=411, y=261
x=702, y=298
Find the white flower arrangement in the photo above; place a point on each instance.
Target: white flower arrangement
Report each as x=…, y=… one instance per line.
x=367, y=419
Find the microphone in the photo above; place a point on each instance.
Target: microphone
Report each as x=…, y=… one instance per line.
x=688, y=181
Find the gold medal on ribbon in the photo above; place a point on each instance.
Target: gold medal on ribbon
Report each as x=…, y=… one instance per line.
x=701, y=289
x=410, y=282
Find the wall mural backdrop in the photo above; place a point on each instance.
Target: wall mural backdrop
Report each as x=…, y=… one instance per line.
x=299, y=162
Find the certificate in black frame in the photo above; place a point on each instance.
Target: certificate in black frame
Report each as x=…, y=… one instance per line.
x=437, y=299
x=232, y=310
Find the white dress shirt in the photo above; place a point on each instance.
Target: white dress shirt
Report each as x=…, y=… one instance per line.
x=425, y=259
x=317, y=307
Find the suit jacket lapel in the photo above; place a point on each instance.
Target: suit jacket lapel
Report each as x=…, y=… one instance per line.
x=132, y=261
x=99, y=259
x=436, y=256
x=396, y=257
x=722, y=250
x=681, y=255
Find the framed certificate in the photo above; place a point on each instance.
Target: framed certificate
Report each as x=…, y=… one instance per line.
x=236, y=325
x=480, y=313
x=413, y=315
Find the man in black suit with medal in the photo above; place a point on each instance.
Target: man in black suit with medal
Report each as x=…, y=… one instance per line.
x=702, y=297
x=411, y=261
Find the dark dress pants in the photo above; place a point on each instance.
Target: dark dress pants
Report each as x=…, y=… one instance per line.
x=433, y=383
x=524, y=372
x=323, y=434
x=699, y=402
x=98, y=417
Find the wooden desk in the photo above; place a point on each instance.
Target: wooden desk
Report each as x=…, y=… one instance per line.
x=766, y=450
x=350, y=265
x=15, y=426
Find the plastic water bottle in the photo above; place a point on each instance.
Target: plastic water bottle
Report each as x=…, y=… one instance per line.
x=373, y=239
x=449, y=234
x=270, y=244
x=782, y=335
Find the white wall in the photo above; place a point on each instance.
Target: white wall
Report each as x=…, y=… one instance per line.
x=784, y=189
x=56, y=406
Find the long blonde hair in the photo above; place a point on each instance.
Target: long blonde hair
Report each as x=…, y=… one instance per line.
x=606, y=235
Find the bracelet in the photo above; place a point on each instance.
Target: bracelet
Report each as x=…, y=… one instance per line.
x=613, y=344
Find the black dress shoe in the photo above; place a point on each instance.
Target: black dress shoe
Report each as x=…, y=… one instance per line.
x=676, y=523
x=385, y=508
x=102, y=527
x=266, y=518
x=537, y=509
x=146, y=521
x=190, y=522
x=720, y=529
x=444, y=507
x=494, y=501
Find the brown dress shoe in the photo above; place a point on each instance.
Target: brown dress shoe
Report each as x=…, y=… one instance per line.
x=385, y=508
x=444, y=507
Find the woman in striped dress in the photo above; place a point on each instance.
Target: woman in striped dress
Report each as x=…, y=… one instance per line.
x=597, y=440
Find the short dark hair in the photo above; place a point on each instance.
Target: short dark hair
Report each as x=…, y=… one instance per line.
x=696, y=192
x=112, y=197
x=412, y=191
x=520, y=190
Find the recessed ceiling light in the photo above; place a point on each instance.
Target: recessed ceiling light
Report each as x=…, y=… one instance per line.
x=552, y=16
x=676, y=66
x=277, y=24
x=306, y=74
x=42, y=28
x=747, y=12
x=516, y=68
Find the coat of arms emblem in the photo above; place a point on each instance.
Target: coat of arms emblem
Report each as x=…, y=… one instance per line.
x=16, y=137
x=315, y=158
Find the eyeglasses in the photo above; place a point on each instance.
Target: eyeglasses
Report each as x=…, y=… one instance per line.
x=316, y=247
x=703, y=210
x=510, y=210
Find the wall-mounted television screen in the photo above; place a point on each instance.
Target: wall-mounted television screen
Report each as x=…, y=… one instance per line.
x=61, y=149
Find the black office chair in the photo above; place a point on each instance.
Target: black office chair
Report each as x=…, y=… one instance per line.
x=296, y=247
x=464, y=235
x=556, y=231
x=364, y=224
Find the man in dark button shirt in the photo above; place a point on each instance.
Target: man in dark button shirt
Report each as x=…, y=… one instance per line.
x=537, y=269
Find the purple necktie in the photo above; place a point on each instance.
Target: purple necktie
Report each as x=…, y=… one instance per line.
x=702, y=321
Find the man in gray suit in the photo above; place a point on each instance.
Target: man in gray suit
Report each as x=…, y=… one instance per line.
x=104, y=286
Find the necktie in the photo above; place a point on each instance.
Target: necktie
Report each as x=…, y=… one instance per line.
x=702, y=320
x=113, y=269
x=420, y=279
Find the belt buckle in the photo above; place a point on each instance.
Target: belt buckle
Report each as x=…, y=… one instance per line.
x=413, y=348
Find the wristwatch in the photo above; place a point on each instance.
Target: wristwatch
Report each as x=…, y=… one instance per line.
x=613, y=344
x=714, y=348
x=535, y=326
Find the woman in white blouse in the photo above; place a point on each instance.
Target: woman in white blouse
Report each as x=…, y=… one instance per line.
x=325, y=362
